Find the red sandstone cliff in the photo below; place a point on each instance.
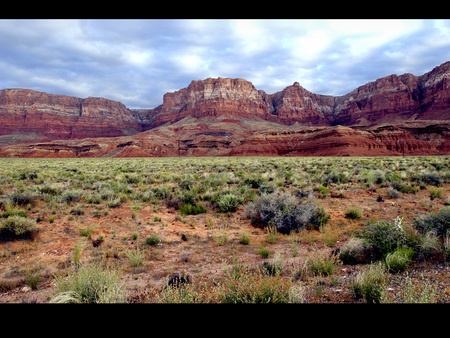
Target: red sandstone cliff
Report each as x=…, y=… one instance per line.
x=393, y=115
x=389, y=99
x=213, y=97
x=63, y=117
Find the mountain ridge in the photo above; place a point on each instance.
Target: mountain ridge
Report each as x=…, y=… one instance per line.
x=201, y=119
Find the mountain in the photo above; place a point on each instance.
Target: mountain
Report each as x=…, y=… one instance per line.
x=392, y=115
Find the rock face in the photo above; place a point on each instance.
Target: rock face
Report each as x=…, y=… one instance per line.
x=387, y=100
x=213, y=97
x=63, y=117
x=393, y=115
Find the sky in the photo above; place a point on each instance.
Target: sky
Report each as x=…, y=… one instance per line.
x=137, y=61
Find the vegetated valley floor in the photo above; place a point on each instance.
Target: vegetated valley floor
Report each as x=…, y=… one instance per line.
x=105, y=209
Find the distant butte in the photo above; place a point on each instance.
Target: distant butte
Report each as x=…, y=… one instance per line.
x=393, y=115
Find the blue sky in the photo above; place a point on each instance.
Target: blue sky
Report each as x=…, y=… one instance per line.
x=137, y=61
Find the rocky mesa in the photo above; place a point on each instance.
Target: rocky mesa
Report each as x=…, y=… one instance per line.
x=393, y=115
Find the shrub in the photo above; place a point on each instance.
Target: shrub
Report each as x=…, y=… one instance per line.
x=275, y=266
x=22, y=198
x=152, y=240
x=431, y=178
x=320, y=264
x=229, y=202
x=49, y=190
x=393, y=193
x=114, y=203
x=244, y=238
x=18, y=227
x=90, y=284
x=266, y=188
x=255, y=287
x=263, y=252
x=399, y=259
x=383, y=236
x=135, y=257
x=435, y=193
x=189, y=209
x=353, y=213
x=336, y=177
x=323, y=191
x=254, y=182
x=71, y=196
x=370, y=283
x=355, y=251
x=438, y=221
x=285, y=212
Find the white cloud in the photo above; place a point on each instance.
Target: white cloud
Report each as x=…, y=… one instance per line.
x=137, y=61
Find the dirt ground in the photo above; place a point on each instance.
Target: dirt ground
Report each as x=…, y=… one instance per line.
x=192, y=245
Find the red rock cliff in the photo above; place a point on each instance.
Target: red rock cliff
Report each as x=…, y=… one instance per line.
x=213, y=97
x=63, y=117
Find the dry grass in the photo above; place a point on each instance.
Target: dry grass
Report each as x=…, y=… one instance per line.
x=207, y=245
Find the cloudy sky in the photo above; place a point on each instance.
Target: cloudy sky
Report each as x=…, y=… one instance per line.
x=137, y=61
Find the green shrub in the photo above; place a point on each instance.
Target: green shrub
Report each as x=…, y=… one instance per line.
x=353, y=213
x=114, y=203
x=430, y=178
x=49, y=190
x=255, y=287
x=323, y=191
x=399, y=259
x=438, y=221
x=153, y=240
x=90, y=284
x=321, y=264
x=254, y=182
x=71, y=196
x=229, y=202
x=189, y=209
x=383, y=236
x=244, y=238
x=263, y=252
x=135, y=257
x=285, y=212
x=435, y=193
x=336, y=177
x=18, y=227
x=266, y=188
x=370, y=283
x=22, y=198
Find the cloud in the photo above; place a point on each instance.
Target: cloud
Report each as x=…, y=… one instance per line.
x=137, y=61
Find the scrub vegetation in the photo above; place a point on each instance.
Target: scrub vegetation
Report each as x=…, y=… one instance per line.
x=233, y=230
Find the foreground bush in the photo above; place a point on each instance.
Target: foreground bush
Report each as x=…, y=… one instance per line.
x=399, y=259
x=90, y=284
x=438, y=222
x=384, y=236
x=229, y=202
x=355, y=251
x=370, y=283
x=285, y=212
x=256, y=287
x=18, y=227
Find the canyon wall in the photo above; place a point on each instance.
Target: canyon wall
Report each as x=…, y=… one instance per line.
x=393, y=115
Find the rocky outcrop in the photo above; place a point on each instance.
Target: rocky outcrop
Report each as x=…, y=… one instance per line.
x=197, y=138
x=335, y=141
x=295, y=104
x=212, y=97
